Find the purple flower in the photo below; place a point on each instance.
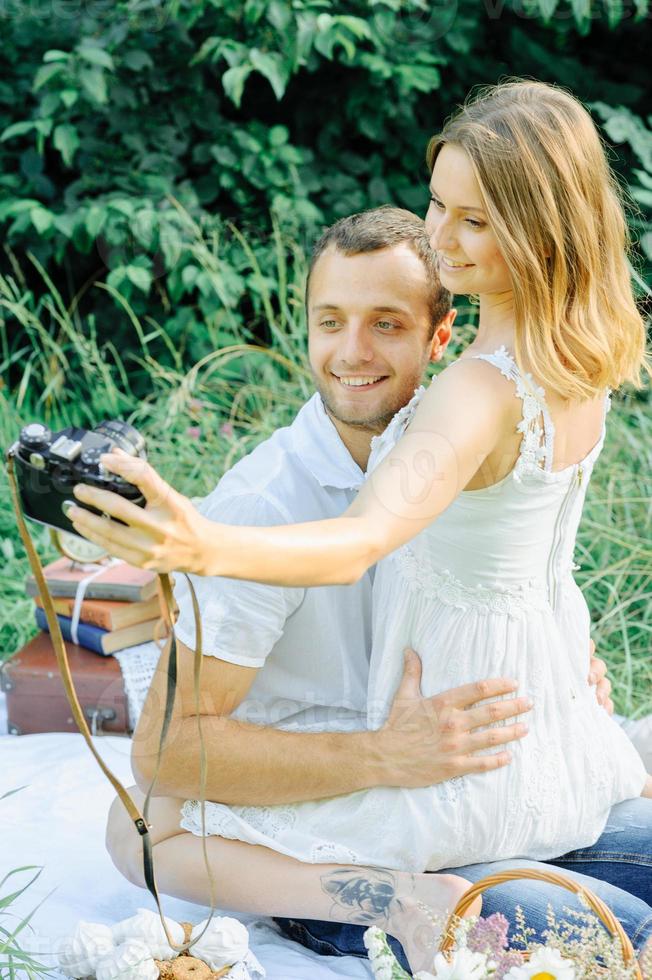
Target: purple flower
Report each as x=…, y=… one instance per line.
x=507, y=960
x=489, y=935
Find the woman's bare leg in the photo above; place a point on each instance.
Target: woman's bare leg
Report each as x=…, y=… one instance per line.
x=254, y=879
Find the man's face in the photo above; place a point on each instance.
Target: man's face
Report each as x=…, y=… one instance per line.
x=368, y=327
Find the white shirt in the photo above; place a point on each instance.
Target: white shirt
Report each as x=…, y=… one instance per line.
x=312, y=645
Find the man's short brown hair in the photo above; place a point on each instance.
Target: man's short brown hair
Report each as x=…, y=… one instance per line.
x=378, y=228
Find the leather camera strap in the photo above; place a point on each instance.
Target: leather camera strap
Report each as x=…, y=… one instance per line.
x=140, y=820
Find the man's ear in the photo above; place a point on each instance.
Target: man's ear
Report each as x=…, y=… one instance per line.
x=442, y=336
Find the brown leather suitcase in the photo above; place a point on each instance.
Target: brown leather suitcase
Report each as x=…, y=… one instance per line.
x=36, y=698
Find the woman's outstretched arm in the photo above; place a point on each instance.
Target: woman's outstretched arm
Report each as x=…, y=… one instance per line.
x=458, y=423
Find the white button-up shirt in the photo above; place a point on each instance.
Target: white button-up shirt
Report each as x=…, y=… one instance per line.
x=311, y=646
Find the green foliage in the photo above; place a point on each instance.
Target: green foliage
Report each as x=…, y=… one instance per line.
x=116, y=119
x=14, y=960
x=623, y=127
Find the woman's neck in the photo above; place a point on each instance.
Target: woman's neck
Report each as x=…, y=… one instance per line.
x=496, y=323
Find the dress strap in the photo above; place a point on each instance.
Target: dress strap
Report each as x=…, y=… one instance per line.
x=536, y=425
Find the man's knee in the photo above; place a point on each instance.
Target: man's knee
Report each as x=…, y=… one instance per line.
x=629, y=829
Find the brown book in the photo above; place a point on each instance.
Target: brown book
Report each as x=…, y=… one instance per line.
x=106, y=613
x=103, y=641
x=122, y=581
x=153, y=629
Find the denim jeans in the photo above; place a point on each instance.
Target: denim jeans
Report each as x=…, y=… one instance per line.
x=617, y=868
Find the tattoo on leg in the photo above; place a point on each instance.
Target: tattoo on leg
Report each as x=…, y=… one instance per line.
x=367, y=894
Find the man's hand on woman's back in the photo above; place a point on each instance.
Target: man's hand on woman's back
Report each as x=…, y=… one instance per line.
x=429, y=740
x=598, y=676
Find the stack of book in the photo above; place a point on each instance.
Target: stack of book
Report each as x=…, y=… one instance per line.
x=120, y=609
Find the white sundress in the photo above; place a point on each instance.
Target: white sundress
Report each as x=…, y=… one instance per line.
x=485, y=591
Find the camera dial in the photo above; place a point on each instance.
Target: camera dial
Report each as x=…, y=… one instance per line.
x=91, y=456
x=90, y=460
x=35, y=436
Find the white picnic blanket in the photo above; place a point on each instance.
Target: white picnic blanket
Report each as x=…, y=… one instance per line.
x=58, y=822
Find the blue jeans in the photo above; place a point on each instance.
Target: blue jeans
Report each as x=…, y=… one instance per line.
x=617, y=868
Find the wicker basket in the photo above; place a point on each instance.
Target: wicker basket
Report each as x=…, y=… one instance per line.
x=596, y=904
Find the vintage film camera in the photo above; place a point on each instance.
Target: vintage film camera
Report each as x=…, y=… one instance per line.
x=49, y=464
x=43, y=467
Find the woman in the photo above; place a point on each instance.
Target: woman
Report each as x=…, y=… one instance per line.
x=524, y=214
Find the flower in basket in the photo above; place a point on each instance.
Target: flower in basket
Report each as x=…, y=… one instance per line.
x=545, y=964
x=384, y=964
x=489, y=936
x=464, y=965
x=576, y=948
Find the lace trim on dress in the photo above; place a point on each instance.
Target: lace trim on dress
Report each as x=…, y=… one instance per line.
x=385, y=442
x=269, y=821
x=536, y=425
x=447, y=588
x=333, y=853
x=220, y=819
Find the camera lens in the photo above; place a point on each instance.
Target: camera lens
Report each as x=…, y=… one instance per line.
x=123, y=435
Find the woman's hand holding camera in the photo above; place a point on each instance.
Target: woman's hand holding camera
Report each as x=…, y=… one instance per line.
x=167, y=535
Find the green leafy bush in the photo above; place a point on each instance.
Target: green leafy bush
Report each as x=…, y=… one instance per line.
x=623, y=127
x=116, y=119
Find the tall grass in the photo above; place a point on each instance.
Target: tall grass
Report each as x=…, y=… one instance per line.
x=199, y=419
x=15, y=961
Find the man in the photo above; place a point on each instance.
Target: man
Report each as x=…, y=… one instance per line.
x=284, y=680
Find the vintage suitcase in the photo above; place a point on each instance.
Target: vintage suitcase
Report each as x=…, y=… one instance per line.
x=36, y=698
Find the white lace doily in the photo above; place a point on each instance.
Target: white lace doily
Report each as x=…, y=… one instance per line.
x=137, y=665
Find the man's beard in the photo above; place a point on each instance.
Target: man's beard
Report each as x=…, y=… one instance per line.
x=376, y=423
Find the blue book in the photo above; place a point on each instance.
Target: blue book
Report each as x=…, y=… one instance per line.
x=89, y=636
x=104, y=642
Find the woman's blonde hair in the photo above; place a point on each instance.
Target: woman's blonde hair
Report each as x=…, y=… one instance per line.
x=556, y=211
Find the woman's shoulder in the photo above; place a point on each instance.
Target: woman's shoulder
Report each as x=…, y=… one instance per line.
x=496, y=368
x=467, y=390
x=471, y=383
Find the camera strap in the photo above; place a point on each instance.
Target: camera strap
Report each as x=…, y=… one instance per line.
x=139, y=819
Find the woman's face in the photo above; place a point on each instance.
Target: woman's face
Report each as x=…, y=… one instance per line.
x=469, y=259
